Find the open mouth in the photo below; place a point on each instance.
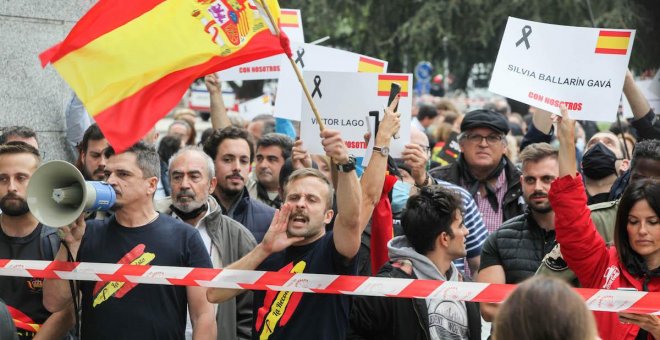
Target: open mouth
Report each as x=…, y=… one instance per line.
x=299, y=218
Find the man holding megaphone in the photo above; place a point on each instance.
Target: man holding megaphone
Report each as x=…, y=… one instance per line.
x=24, y=238
x=136, y=234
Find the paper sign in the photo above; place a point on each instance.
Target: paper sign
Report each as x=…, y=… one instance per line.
x=269, y=68
x=547, y=65
x=346, y=108
x=653, y=99
x=257, y=106
x=317, y=58
x=654, y=86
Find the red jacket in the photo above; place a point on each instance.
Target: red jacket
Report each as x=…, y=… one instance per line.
x=586, y=254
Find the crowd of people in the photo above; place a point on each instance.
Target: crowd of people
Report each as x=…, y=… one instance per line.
x=487, y=195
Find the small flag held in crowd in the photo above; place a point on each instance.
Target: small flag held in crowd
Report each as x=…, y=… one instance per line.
x=131, y=62
x=385, y=83
x=613, y=42
x=371, y=65
x=289, y=18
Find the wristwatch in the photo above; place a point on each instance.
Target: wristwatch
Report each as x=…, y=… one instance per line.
x=348, y=167
x=383, y=150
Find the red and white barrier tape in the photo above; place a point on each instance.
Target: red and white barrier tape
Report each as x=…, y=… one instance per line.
x=596, y=299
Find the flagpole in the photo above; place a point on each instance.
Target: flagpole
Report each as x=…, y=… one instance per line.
x=295, y=68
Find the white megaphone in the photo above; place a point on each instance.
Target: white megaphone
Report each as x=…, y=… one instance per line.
x=58, y=193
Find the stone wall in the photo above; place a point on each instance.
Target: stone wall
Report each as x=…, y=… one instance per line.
x=30, y=95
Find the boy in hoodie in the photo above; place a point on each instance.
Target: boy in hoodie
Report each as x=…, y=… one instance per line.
x=434, y=235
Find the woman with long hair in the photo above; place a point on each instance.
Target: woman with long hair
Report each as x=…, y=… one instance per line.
x=632, y=264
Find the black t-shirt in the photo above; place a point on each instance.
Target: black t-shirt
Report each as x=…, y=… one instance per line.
x=115, y=310
x=23, y=295
x=295, y=315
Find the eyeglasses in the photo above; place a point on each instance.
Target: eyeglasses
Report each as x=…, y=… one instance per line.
x=490, y=139
x=426, y=148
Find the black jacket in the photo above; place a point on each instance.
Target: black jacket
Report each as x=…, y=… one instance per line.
x=518, y=246
x=395, y=318
x=512, y=206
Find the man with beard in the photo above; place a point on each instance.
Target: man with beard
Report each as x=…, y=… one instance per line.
x=23, y=238
x=273, y=149
x=193, y=180
x=91, y=160
x=297, y=242
x=138, y=235
x=232, y=152
x=514, y=252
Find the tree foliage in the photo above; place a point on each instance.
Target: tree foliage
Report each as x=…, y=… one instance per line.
x=405, y=32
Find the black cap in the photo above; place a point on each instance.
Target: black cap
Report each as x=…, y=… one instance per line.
x=485, y=119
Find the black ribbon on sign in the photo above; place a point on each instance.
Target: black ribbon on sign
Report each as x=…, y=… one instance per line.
x=317, y=82
x=299, y=54
x=526, y=32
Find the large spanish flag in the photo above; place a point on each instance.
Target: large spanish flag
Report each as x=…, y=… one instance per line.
x=613, y=42
x=130, y=62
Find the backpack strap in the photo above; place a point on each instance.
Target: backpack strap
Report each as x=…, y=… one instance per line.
x=50, y=242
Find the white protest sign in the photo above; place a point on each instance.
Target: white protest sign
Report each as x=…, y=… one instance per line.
x=547, y=65
x=654, y=86
x=345, y=108
x=317, y=58
x=269, y=68
x=653, y=99
x=257, y=106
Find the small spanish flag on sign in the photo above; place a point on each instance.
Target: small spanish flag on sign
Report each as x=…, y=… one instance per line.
x=613, y=42
x=370, y=65
x=289, y=18
x=385, y=82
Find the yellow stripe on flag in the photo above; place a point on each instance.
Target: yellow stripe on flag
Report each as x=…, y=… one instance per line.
x=385, y=83
x=165, y=37
x=613, y=42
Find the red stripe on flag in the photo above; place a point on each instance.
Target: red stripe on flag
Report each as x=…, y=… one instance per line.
x=611, y=51
x=105, y=16
x=392, y=77
x=288, y=12
x=124, y=123
x=289, y=25
x=372, y=62
x=614, y=34
x=387, y=93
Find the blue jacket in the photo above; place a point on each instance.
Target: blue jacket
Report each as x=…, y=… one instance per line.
x=251, y=213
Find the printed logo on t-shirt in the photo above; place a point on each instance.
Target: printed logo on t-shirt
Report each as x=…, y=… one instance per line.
x=35, y=285
x=278, y=306
x=447, y=319
x=105, y=290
